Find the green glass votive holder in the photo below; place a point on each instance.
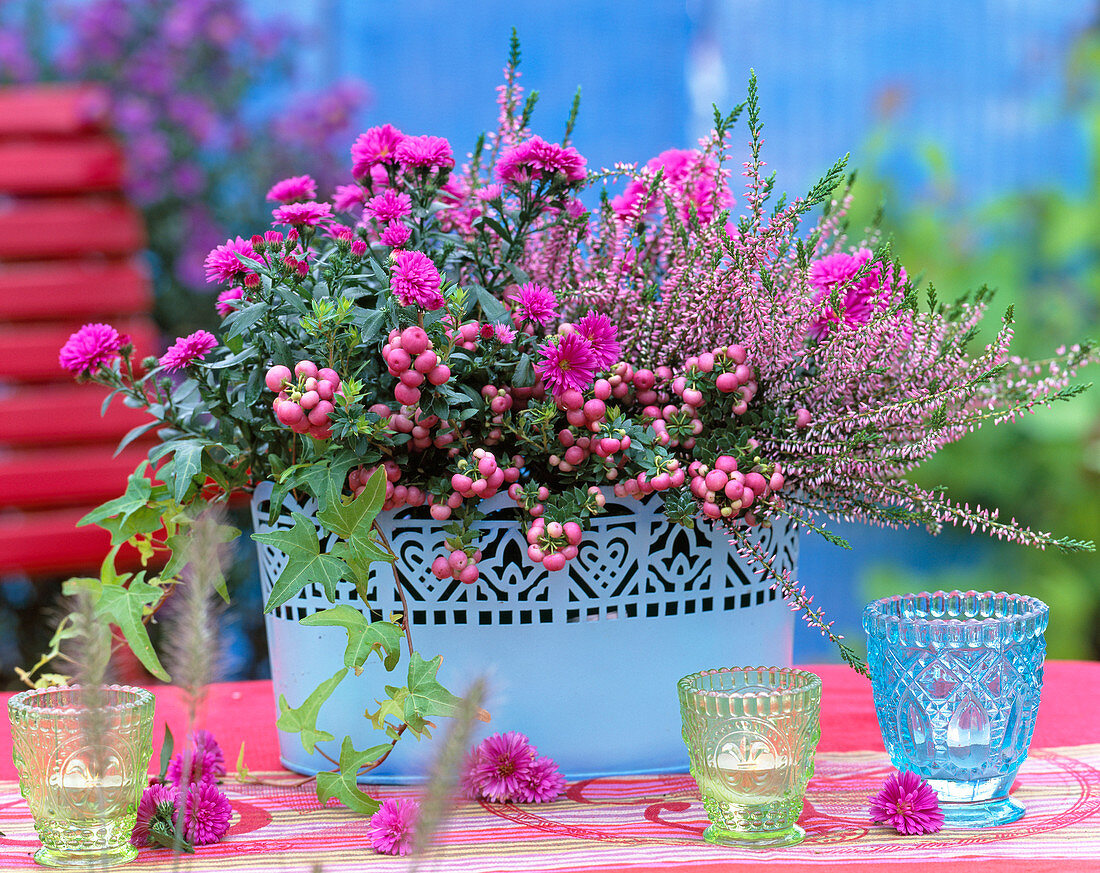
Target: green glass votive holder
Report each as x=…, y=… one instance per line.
x=82, y=755
x=751, y=733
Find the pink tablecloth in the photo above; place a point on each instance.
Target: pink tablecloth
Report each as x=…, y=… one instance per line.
x=652, y=824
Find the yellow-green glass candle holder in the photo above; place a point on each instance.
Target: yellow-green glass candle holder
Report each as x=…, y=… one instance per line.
x=82, y=755
x=751, y=733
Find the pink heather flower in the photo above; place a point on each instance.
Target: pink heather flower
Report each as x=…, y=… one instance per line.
x=90, y=348
x=158, y=803
x=601, y=335
x=425, y=153
x=225, y=301
x=292, y=189
x=377, y=146
x=389, y=205
x=391, y=827
x=396, y=234
x=206, y=814
x=222, y=264
x=500, y=765
x=207, y=760
x=415, y=280
x=908, y=804
x=308, y=214
x=542, y=783
x=538, y=159
x=504, y=333
x=187, y=350
x=535, y=303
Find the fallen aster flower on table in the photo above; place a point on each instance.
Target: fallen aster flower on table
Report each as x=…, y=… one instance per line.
x=207, y=761
x=907, y=804
x=506, y=768
x=391, y=827
x=206, y=814
x=155, y=815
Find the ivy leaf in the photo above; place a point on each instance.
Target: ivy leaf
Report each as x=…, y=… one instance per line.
x=343, y=786
x=137, y=494
x=124, y=605
x=305, y=563
x=352, y=521
x=426, y=696
x=303, y=719
x=392, y=707
x=364, y=637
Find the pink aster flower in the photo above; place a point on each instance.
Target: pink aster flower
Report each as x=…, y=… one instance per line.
x=206, y=814
x=90, y=348
x=187, y=350
x=389, y=205
x=226, y=300
x=377, y=146
x=908, y=804
x=158, y=804
x=207, y=760
x=490, y=192
x=602, y=336
x=500, y=765
x=535, y=303
x=415, y=280
x=347, y=197
x=538, y=159
x=293, y=189
x=504, y=333
x=569, y=363
x=308, y=214
x=222, y=264
x=396, y=234
x=542, y=783
x=391, y=827
x=860, y=298
x=425, y=153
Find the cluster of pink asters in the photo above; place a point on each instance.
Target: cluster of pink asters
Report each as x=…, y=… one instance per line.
x=392, y=827
x=188, y=809
x=506, y=768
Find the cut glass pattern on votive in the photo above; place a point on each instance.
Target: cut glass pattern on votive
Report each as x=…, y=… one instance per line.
x=751, y=733
x=956, y=678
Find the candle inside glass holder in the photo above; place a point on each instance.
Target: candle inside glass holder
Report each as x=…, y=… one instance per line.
x=751, y=733
x=82, y=755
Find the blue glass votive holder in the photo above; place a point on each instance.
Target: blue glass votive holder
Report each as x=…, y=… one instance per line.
x=956, y=677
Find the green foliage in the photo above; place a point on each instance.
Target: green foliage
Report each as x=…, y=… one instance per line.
x=305, y=563
x=123, y=600
x=364, y=636
x=303, y=719
x=342, y=785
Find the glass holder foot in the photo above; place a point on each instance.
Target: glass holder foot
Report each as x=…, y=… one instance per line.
x=761, y=840
x=87, y=860
x=986, y=814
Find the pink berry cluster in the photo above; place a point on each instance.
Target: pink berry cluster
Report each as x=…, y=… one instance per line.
x=478, y=478
x=305, y=397
x=411, y=360
x=727, y=492
x=720, y=373
x=397, y=495
x=552, y=543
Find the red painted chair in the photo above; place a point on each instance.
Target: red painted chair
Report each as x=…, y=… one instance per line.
x=69, y=254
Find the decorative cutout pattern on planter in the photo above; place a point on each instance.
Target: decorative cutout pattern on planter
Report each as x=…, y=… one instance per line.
x=633, y=564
